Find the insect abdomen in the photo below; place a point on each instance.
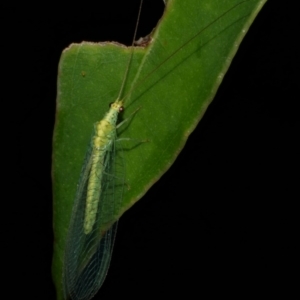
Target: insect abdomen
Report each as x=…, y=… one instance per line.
x=101, y=143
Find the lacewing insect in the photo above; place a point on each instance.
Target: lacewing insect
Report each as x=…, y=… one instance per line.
x=91, y=235
x=90, y=239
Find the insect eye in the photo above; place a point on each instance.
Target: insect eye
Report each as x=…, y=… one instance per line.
x=121, y=108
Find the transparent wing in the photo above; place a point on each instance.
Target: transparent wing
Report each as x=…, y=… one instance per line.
x=87, y=256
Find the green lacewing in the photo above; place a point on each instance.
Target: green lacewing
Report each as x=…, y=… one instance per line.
x=91, y=236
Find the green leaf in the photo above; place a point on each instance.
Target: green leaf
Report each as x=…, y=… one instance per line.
x=172, y=99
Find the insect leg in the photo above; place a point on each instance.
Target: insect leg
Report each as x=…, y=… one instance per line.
x=129, y=118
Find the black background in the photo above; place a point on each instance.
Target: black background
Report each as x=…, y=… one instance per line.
x=223, y=217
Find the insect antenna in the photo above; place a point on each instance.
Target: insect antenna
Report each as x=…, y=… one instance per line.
x=146, y=77
x=131, y=53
